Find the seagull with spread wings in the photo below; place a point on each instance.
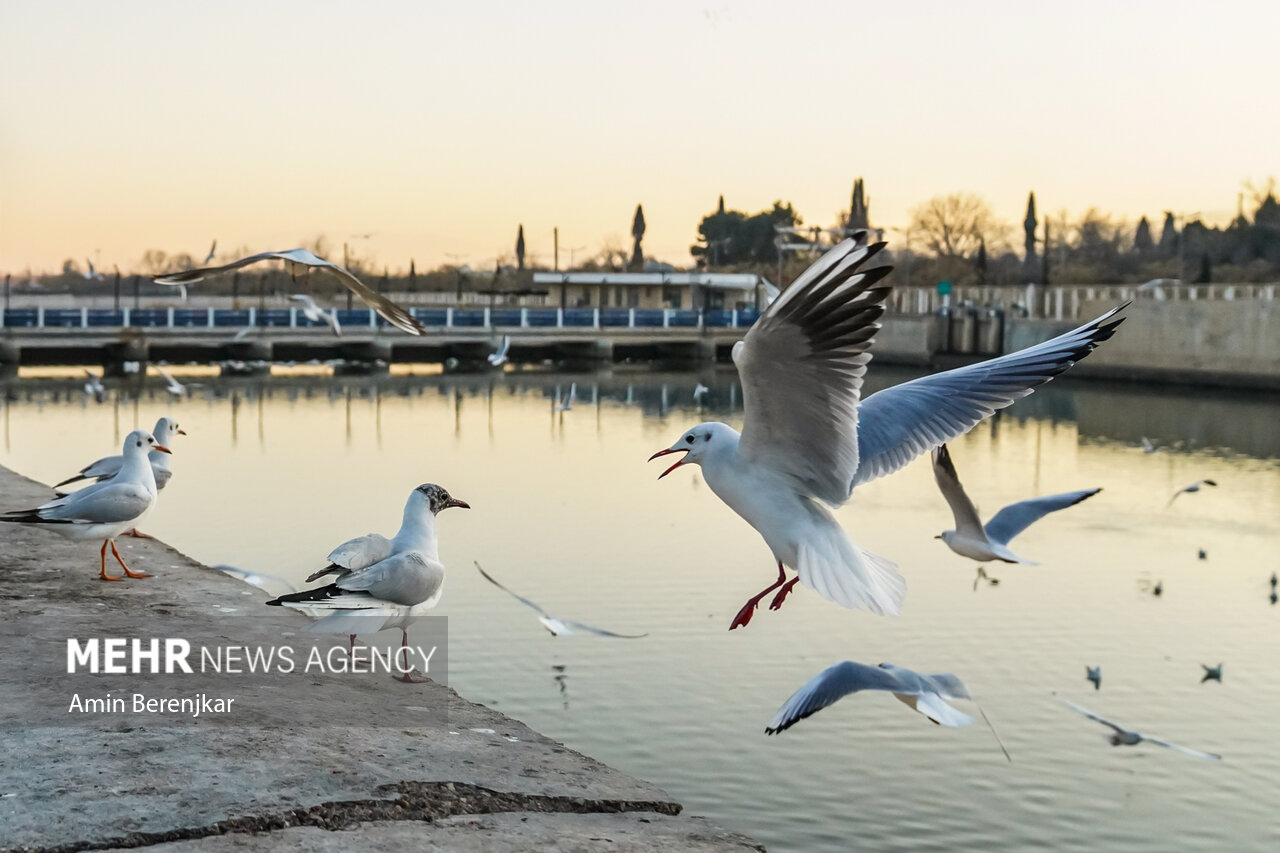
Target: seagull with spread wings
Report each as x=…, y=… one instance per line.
x=809, y=439
x=300, y=262
x=558, y=627
x=498, y=357
x=1128, y=737
x=991, y=542
x=316, y=314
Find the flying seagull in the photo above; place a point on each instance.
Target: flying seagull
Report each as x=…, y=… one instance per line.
x=1094, y=674
x=970, y=539
x=1128, y=737
x=172, y=385
x=104, y=510
x=809, y=439
x=1211, y=673
x=377, y=590
x=557, y=627
x=208, y=259
x=300, y=261
x=1194, y=487
x=498, y=357
x=94, y=387
x=1147, y=446
x=925, y=694
x=567, y=403
x=699, y=391
x=316, y=314
x=92, y=274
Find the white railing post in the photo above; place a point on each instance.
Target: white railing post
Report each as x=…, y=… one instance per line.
x=169, y=317
x=448, y=318
x=84, y=318
x=293, y=318
x=595, y=317
x=631, y=318
x=40, y=317
x=210, y=321
x=559, y=318
x=734, y=321
x=666, y=318
x=524, y=318
x=699, y=318
x=487, y=315
x=373, y=319
x=124, y=317
x=253, y=316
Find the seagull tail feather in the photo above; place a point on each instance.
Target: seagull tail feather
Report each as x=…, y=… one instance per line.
x=840, y=571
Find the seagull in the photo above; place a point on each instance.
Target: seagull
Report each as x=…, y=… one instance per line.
x=1274, y=580
x=1204, y=555
x=173, y=386
x=925, y=694
x=301, y=261
x=699, y=391
x=557, y=627
x=567, y=405
x=809, y=439
x=94, y=387
x=382, y=583
x=107, y=467
x=1211, y=673
x=1147, y=446
x=1094, y=674
x=499, y=356
x=970, y=539
x=1274, y=596
x=208, y=259
x=1194, y=487
x=92, y=274
x=1128, y=737
x=242, y=334
x=1158, y=589
x=316, y=314
x=104, y=510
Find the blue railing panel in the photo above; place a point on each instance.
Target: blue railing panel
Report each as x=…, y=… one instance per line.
x=238, y=317
x=190, y=317
x=504, y=317
x=468, y=316
x=579, y=317
x=100, y=317
x=684, y=318
x=717, y=317
x=430, y=316
x=274, y=317
x=615, y=317
x=747, y=318
x=149, y=317
x=54, y=317
x=20, y=317
x=541, y=317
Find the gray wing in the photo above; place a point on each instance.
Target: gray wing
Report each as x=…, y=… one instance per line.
x=802, y=365
x=201, y=273
x=526, y=602
x=358, y=553
x=962, y=509
x=1073, y=706
x=601, y=632
x=947, y=685
x=101, y=470
x=106, y=502
x=261, y=580
x=1015, y=518
x=898, y=424
x=406, y=579
x=830, y=686
x=1211, y=756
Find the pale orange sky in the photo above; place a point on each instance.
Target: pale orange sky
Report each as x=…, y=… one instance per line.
x=133, y=125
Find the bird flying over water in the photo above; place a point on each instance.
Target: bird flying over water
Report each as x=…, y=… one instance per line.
x=567, y=404
x=498, y=357
x=1129, y=737
x=300, y=262
x=208, y=259
x=1211, y=673
x=94, y=387
x=970, y=538
x=1191, y=489
x=1094, y=674
x=557, y=627
x=809, y=439
x=172, y=385
x=316, y=314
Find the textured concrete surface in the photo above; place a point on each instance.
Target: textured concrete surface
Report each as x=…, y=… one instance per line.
x=92, y=787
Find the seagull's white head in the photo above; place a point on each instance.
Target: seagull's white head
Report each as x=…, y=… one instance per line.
x=704, y=440
x=434, y=498
x=140, y=443
x=166, y=428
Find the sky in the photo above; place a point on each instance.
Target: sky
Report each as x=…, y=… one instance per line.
x=438, y=128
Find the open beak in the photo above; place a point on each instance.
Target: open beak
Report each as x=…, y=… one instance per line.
x=458, y=503
x=182, y=432
x=669, y=450
x=162, y=448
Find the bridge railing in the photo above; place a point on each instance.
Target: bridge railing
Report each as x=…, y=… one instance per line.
x=363, y=318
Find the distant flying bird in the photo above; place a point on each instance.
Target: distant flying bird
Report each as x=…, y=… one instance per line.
x=1194, y=487
x=316, y=314
x=92, y=274
x=1274, y=596
x=1204, y=555
x=557, y=627
x=1094, y=674
x=699, y=391
x=567, y=404
x=498, y=357
x=1147, y=446
x=1158, y=589
x=970, y=538
x=1128, y=737
x=809, y=438
x=299, y=262
x=208, y=259
x=1274, y=580
x=94, y=387
x=173, y=386
x=1211, y=673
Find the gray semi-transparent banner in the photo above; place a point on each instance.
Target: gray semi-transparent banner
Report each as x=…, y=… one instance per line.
x=71, y=674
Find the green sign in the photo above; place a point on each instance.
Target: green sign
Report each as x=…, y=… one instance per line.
x=944, y=288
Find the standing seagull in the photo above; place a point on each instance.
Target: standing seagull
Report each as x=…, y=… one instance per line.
x=499, y=356
x=300, y=261
x=378, y=590
x=1128, y=737
x=557, y=627
x=970, y=539
x=1194, y=487
x=808, y=438
x=316, y=314
x=104, y=510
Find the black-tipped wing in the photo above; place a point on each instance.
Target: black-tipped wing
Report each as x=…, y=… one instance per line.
x=962, y=509
x=802, y=365
x=520, y=598
x=1015, y=518
x=830, y=686
x=898, y=424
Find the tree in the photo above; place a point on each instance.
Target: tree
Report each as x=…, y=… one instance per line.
x=732, y=237
x=980, y=263
x=637, y=232
x=1030, y=265
x=520, y=248
x=859, y=214
x=1205, y=275
x=1142, y=241
x=1169, y=235
x=953, y=226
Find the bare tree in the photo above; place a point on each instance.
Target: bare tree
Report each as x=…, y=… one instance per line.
x=955, y=225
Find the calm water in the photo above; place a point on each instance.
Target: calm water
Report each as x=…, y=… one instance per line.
x=567, y=512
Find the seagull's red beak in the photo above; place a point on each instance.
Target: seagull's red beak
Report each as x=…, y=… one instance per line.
x=666, y=452
x=182, y=432
x=161, y=448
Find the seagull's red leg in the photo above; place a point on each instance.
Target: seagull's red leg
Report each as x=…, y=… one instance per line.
x=119, y=560
x=103, y=574
x=411, y=676
x=744, y=615
x=783, y=593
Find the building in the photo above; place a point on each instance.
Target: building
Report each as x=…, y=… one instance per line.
x=681, y=290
